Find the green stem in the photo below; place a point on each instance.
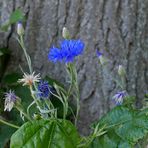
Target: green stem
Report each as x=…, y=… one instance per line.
x=9, y=124
x=55, y=111
x=62, y=98
x=21, y=41
x=28, y=109
x=21, y=110
x=77, y=93
x=123, y=82
x=78, y=108
x=71, y=70
x=51, y=107
x=35, y=100
x=70, y=73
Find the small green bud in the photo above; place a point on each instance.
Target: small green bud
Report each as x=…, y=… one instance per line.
x=103, y=60
x=65, y=33
x=36, y=116
x=20, y=29
x=121, y=71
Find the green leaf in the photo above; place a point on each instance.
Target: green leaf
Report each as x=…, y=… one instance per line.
x=11, y=78
x=116, y=116
x=45, y=134
x=109, y=140
x=16, y=16
x=103, y=142
x=135, y=129
x=5, y=134
x=124, y=144
x=128, y=125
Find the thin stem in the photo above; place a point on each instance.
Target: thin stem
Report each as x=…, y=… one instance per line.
x=72, y=112
x=28, y=109
x=9, y=124
x=69, y=71
x=21, y=110
x=36, y=101
x=78, y=106
x=21, y=41
x=50, y=107
x=77, y=93
x=123, y=82
x=63, y=100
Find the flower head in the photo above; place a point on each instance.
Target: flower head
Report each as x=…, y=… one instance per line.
x=10, y=99
x=44, y=89
x=121, y=71
x=99, y=53
x=101, y=57
x=68, y=50
x=20, y=29
x=118, y=97
x=29, y=79
x=65, y=33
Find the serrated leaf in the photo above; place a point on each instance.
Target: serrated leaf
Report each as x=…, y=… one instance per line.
x=134, y=129
x=109, y=140
x=129, y=125
x=45, y=134
x=116, y=116
x=124, y=144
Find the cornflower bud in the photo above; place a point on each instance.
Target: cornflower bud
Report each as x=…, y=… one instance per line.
x=121, y=71
x=65, y=33
x=20, y=29
x=101, y=57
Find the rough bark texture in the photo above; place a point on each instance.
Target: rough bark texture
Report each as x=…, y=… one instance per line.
x=118, y=27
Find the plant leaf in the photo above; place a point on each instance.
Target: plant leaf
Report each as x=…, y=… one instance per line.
x=127, y=125
x=45, y=134
x=16, y=16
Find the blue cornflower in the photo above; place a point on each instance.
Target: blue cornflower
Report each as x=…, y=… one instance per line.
x=44, y=89
x=118, y=97
x=55, y=54
x=68, y=50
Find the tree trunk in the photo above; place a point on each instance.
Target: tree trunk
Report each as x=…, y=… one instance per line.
x=119, y=28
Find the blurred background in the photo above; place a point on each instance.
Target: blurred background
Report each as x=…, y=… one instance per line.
x=117, y=28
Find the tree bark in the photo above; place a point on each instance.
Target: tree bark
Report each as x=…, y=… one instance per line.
x=119, y=28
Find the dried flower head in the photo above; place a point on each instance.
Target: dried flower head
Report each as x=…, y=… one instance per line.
x=29, y=79
x=10, y=99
